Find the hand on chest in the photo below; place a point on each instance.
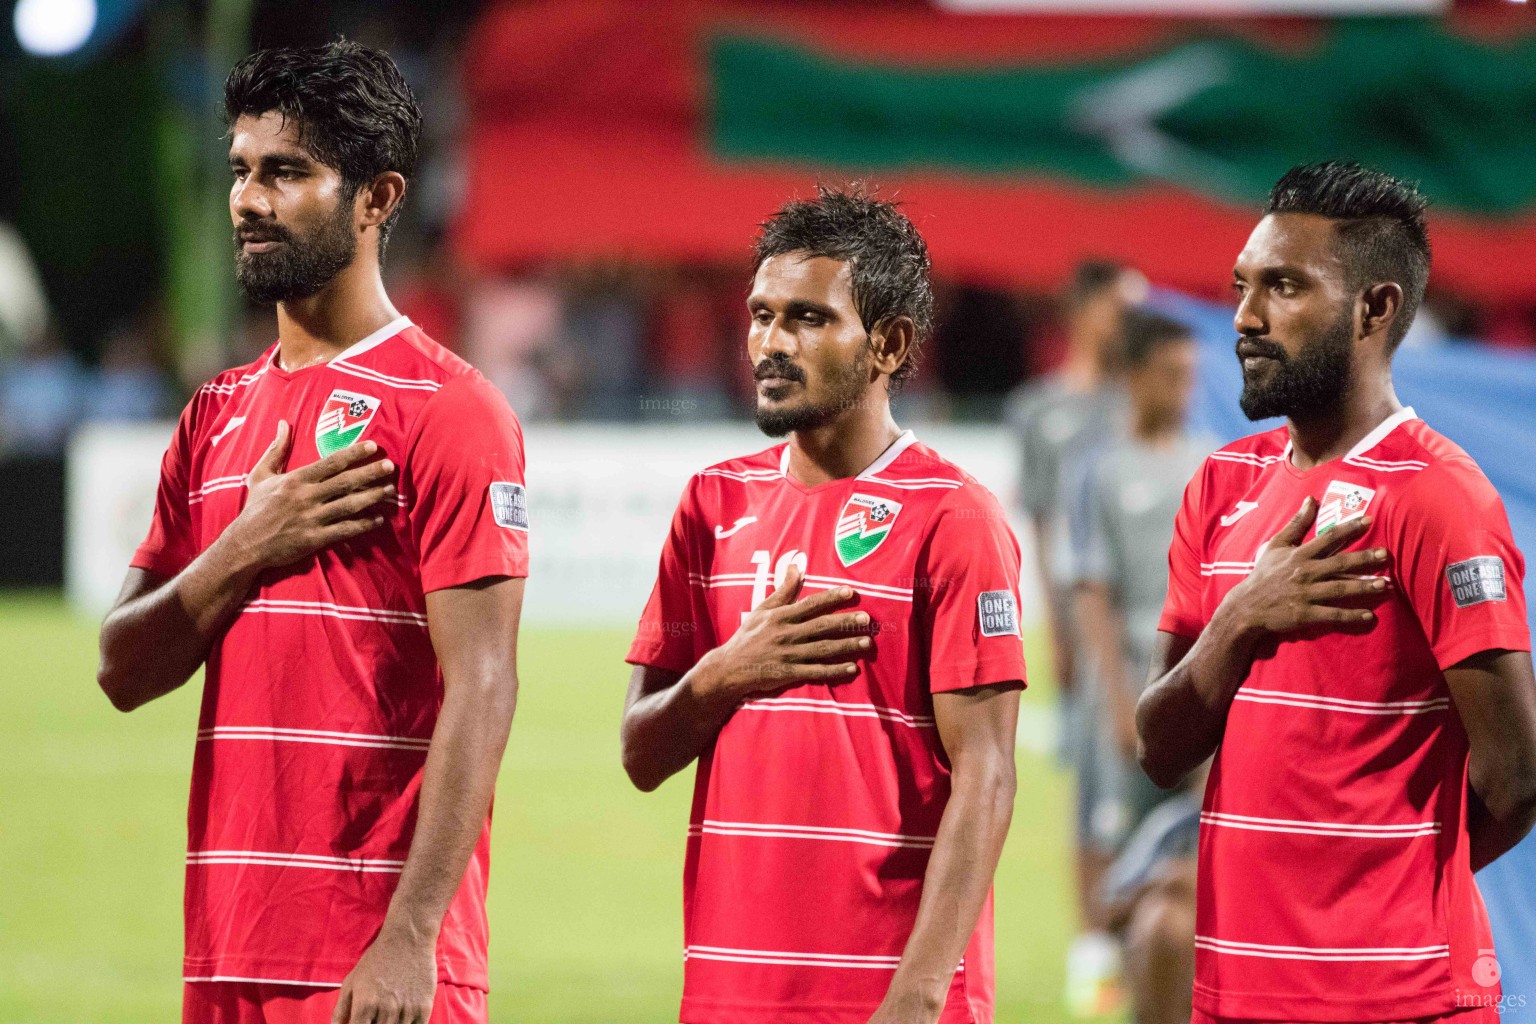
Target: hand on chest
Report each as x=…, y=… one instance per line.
x=864, y=540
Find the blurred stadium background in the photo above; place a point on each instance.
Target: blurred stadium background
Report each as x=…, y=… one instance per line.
x=580, y=230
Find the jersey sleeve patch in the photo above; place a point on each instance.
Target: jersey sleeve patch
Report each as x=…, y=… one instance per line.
x=1476, y=580
x=509, y=505
x=998, y=613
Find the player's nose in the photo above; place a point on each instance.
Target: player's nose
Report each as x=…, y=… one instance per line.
x=1247, y=318
x=248, y=201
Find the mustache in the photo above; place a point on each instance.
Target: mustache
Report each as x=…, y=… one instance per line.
x=1259, y=347
x=258, y=232
x=778, y=365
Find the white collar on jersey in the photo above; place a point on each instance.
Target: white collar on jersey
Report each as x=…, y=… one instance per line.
x=376, y=339
x=1374, y=438
x=901, y=444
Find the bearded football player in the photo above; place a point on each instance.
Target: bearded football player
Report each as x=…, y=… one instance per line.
x=349, y=571
x=834, y=637
x=1345, y=630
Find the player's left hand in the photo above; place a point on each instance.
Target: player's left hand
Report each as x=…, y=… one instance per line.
x=393, y=983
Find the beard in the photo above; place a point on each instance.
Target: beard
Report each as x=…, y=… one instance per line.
x=302, y=265
x=844, y=389
x=1314, y=380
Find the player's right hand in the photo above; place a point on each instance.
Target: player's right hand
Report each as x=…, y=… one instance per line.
x=1295, y=585
x=785, y=642
x=288, y=516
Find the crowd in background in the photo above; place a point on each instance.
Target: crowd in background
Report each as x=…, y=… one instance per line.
x=615, y=340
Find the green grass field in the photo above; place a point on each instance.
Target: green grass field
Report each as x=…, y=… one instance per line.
x=586, y=883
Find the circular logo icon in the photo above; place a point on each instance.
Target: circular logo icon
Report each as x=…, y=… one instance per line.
x=1485, y=969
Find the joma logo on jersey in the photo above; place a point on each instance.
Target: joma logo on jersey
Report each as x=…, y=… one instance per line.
x=343, y=419
x=863, y=525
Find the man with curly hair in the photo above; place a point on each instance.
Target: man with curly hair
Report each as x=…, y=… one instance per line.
x=834, y=637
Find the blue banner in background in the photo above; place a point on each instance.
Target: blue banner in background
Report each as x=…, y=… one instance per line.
x=1485, y=400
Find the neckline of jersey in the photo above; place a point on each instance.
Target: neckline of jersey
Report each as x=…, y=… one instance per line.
x=882, y=462
x=1377, y=435
x=353, y=350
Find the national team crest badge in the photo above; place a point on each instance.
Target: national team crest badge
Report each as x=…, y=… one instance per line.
x=863, y=525
x=1341, y=503
x=343, y=419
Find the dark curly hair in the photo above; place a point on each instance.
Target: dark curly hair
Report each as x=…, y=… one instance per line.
x=1381, y=234
x=888, y=259
x=353, y=109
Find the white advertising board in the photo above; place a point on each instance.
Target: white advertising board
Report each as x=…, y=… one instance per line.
x=600, y=502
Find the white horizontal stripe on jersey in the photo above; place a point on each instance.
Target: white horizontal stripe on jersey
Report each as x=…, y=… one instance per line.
x=376, y=377
x=230, y=388
x=265, y=981
x=898, y=592
x=322, y=736
x=835, y=707
x=917, y=483
x=223, y=483
x=833, y=835
x=279, y=606
x=744, y=475
x=747, y=579
x=1354, y=707
x=1343, y=953
x=1245, y=457
x=766, y=956
x=1321, y=828
x=295, y=860
x=1381, y=465
x=1226, y=568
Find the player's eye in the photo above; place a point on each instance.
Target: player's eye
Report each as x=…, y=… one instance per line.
x=1286, y=287
x=763, y=317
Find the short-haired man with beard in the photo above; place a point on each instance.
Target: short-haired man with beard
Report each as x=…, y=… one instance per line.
x=340, y=537
x=834, y=637
x=1345, y=630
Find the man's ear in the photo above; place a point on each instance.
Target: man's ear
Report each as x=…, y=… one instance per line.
x=1379, y=307
x=378, y=200
x=890, y=342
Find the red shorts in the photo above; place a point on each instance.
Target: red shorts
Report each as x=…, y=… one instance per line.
x=1474, y=1015
x=252, y=1002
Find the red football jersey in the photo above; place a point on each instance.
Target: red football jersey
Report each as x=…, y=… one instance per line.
x=321, y=697
x=816, y=808
x=1334, y=879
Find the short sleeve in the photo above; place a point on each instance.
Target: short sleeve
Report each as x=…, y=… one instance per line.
x=170, y=545
x=462, y=477
x=1457, y=563
x=1184, y=607
x=670, y=635
x=969, y=608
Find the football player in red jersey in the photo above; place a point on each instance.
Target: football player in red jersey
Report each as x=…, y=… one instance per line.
x=350, y=573
x=834, y=637
x=1345, y=630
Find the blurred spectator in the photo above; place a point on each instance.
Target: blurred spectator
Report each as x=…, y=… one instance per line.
x=514, y=333
x=23, y=305
x=1121, y=512
x=1057, y=419
x=129, y=384
x=42, y=394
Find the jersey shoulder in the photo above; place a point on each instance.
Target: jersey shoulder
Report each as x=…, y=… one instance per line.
x=927, y=476
x=1434, y=470
x=211, y=398
x=405, y=361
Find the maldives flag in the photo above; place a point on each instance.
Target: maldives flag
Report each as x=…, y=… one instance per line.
x=668, y=129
